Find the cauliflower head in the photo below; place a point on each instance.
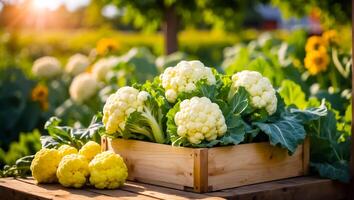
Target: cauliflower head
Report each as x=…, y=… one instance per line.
x=199, y=119
x=108, y=170
x=77, y=64
x=103, y=66
x=261, y=91
x=90, y=150
x=46, y=67
x=73, y=171
x=183, y=78
x=120, y=105
x=66, y=150
x=83, y=87
x=44, y=165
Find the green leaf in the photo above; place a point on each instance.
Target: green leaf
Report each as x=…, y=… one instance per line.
x=292, y=94
x=235, y=131
x=172, y=127
x=329, y=156
x=310, y=114
x=335, y=171
x=287, y=132
x=137, y=124
x=239, y=102
x=77, y=137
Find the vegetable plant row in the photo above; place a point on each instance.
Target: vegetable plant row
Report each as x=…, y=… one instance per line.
x=192, y=105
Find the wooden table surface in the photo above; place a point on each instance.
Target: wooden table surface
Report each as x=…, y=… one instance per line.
x=295, y=188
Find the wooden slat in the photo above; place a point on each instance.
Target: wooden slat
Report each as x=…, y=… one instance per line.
x=251, y=163
x=60, y=192
x=295, y=189
x=163, y=192
x=156, y=163
x=145, y=190
x=306, y=156
x=200, y=172
x=104, y=145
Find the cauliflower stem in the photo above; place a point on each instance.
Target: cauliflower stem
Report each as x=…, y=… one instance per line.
x=145, y=123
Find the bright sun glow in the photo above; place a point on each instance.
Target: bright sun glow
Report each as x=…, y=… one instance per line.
x=45, y=4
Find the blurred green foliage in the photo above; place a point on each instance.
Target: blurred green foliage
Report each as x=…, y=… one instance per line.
x=331, y=12
x=27, y=144
x=226, y=15
x=17, y=112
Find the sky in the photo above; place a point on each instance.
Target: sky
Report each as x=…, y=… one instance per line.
x=54, y=4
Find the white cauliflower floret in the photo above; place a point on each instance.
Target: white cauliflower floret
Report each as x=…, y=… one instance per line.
x=83, y=87
x=261, y=91
x=103, y=66
x=77, y=64
x=183, y=77
x=199, y=119
x=46, y=67
x=145, y=118
x=119, y=106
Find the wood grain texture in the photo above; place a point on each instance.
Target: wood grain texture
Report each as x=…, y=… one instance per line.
x=156, y=163
x=140, y=190
x=299, y=188
x=200, y=173
x=104, y=145
x=26, y=189
x=251, y=163
x=306, y=156
x=209, y=169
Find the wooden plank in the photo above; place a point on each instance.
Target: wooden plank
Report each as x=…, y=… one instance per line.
x=146, y=190
x=9, y=192
x=306, y=156
x=163, y=192
x=61, y=192
x=251, y=163
x=200, y=173
x=156, y=163
x=295, y=189
x=104, y=145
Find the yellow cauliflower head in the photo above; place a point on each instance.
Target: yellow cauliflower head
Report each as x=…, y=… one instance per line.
x=108, y=170
x=44, y=165
x=66, y=150
x=90, y=150
x=73, y=171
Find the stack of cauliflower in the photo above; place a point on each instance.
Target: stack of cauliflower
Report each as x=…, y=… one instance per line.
x=73, y=168
x=195, y=118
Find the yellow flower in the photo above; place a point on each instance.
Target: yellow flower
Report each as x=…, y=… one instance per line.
x=316, y=43
x=330, y=37
x=106, y=45
x=316, y=61
x=40, y=94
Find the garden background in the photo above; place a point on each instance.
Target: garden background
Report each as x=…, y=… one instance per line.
x=304, y=47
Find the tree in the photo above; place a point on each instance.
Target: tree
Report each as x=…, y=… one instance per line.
x=172, y=15
x=331, y=12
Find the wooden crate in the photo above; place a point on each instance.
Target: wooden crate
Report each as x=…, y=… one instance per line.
x=208, y=169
